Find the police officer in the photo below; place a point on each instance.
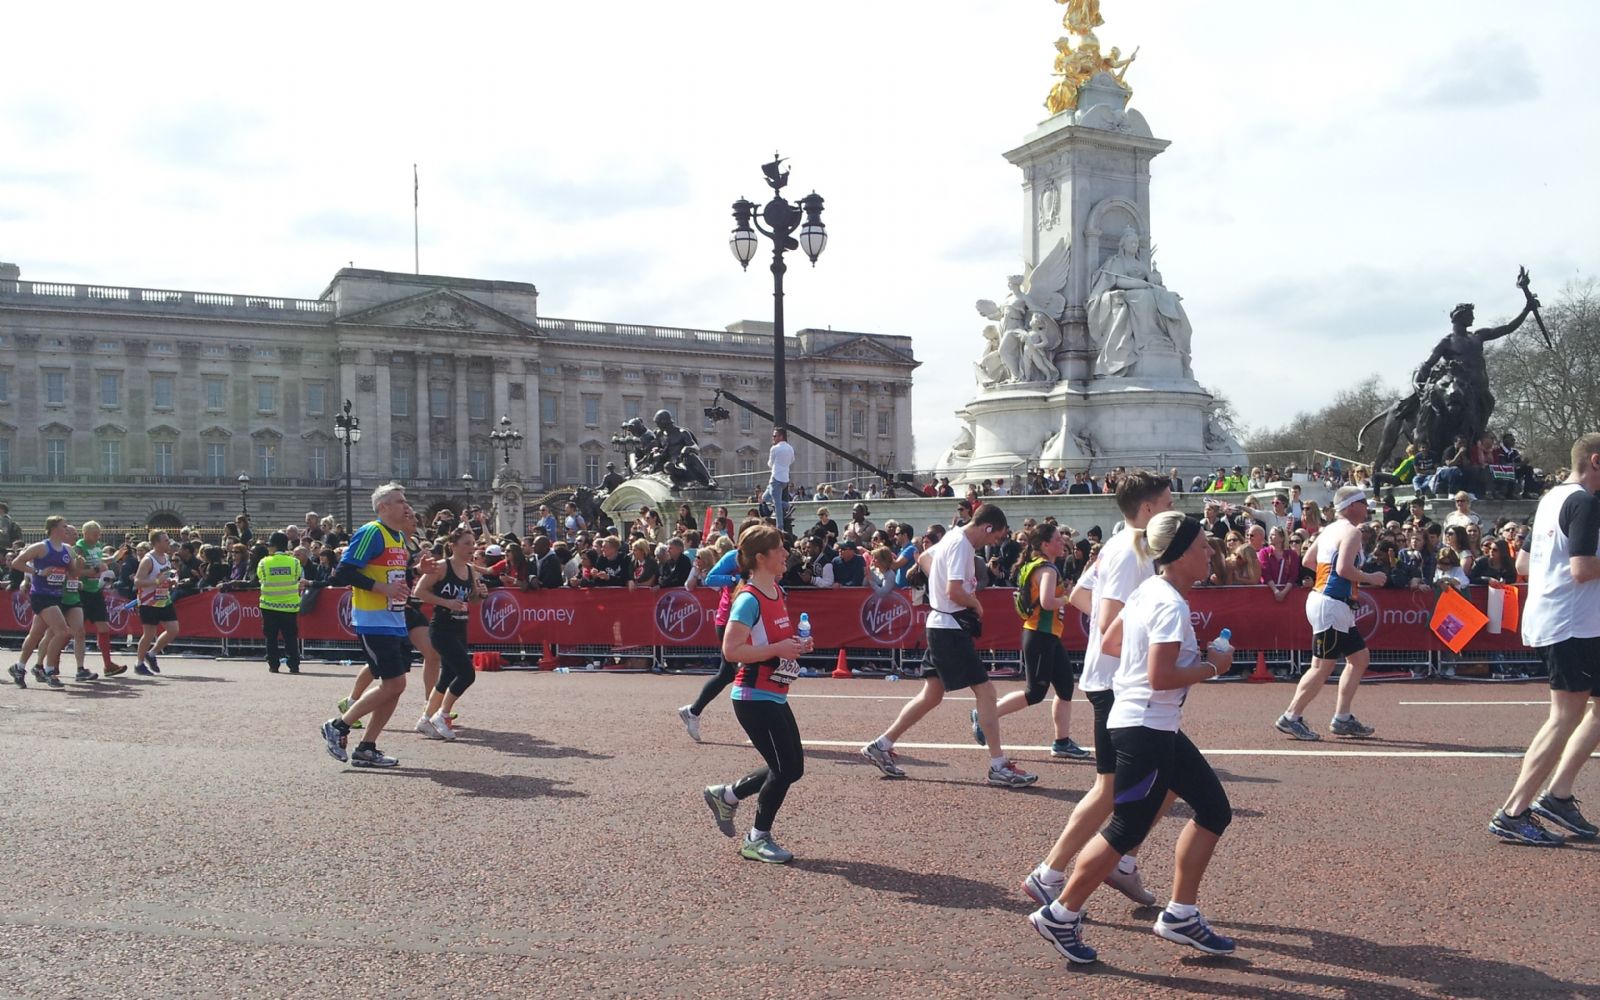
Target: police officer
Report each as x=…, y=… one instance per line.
x=282, y=580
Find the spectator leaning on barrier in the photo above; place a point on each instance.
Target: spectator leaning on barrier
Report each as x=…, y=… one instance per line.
x=1463, y=515
x=849, y=569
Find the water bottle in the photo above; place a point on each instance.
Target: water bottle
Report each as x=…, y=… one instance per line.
x=892, y=677
x=1221, y=643
x=344, y=663
x=563, y=670
x=804, y=631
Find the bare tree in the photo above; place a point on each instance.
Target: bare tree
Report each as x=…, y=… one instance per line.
x=1549, y=396
x=1332, y=429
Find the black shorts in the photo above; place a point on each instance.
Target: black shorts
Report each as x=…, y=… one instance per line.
x=388, y=655
x=954, y=658
x=1574, y=665
x=415, y=618
x=1332, y=644
x=1105, y=751
x=1045, y=666
x=38, y=602
x=151, y=615
x=94, y=606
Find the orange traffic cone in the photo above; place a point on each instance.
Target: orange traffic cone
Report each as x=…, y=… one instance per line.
x=1262, y=674
x=841, y=668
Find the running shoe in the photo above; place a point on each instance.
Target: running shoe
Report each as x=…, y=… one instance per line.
x=441, y=725
x=115, y=669
x=53, y=678
x=1131, y=885
x=142, y=670
x=690, y=721
x=883, y=760
x=1065, y=936
x=1350, y=727
x=425, y=727
x=1009, y=775
x=720, y=810
x=19, y=675
x=1564, y=813
x=150, y=659
x=1193, y=931
x=84, y=676
x=343, y=706
x=766, y=849
x=977, y=730
x=1042, y=892
x=1523, y=829
x=40, y=674
x=1070, y=750
x=272, y=669
x=335, y=738
x=1297, y=728
x=372, y=757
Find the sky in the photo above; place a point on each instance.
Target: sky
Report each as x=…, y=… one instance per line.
x=1339, y=175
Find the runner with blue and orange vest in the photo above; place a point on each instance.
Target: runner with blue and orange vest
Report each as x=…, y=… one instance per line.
x=374, y=567
x=1330, y=608
x=761, y=638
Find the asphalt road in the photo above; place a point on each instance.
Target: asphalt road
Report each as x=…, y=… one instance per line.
x=188, y=836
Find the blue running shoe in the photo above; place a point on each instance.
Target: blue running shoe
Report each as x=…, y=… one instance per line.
x=335, y=738
x=977, y=730
x=1193, y=931
x=1040, y=891
x=1523, y=829
x=1066, y=937
x=150, y=660
x=1564, y=813
x=142, y=670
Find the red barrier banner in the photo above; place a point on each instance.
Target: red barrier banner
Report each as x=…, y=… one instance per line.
x=842, y=617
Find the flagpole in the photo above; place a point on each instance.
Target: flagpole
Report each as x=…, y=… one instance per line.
x=416, y=243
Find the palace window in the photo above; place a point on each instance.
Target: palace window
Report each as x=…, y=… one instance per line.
x=161, y=391
x=161, y=458
x=111, y=456
x=110, y=389
x=216, y=459
x=55, y=388
x=216, y=393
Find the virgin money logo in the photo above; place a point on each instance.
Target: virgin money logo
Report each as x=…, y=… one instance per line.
x=1367, y=616
x=226, y=612
x=500, y=614
x=678, y=615
x=22, y=610
x=346, y=619
x=886, y=618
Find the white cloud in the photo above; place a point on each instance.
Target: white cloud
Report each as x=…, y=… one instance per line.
x=1330, y=188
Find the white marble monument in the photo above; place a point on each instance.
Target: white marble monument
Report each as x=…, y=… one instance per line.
x=1086, y=361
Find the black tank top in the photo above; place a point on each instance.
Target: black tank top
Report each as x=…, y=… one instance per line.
x=451, y=588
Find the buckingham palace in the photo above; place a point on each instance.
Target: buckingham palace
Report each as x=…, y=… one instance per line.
x=145, y=406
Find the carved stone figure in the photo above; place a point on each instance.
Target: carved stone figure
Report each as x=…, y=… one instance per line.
x=959, y=453
x=1131, y=313
x=1049, y=207
x=1028, y=321
x=680, y=453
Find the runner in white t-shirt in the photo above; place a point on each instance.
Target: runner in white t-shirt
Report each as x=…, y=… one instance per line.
x=1103, y=589
x=1159, y=660
x=954, y=617
x=1562, y=620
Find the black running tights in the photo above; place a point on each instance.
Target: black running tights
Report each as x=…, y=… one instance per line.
x=1149, y=763
x=771, y=727
x=455, y=660
x=716, y=685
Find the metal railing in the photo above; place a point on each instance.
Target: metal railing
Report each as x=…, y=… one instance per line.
x=53, y=292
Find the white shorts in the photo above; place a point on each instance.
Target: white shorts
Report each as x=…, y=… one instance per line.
x=1324, y=613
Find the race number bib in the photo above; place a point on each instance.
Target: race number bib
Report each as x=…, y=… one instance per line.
x=786, y=672
x=73, y=586
x=397, y=576
x=55, y=577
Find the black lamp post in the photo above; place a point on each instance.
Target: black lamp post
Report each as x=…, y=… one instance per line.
x=782, y=218
x=506, y=437
x=347, y=428
x=466, y=490
x=244, y=494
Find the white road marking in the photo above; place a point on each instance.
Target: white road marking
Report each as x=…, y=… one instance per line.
x=1208, y=752
x=1475, y=702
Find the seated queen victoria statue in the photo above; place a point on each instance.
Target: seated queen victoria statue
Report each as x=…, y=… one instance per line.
x=1132, y=315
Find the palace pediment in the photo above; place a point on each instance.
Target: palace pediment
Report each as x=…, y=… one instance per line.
x=440, y=310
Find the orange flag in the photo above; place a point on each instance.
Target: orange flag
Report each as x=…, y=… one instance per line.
x=1455, y=620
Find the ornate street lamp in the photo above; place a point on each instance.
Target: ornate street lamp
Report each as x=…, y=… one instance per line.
x=347, y=428
x=506, y=437
x=782, y=218
x=466, y=490
x=244, y=493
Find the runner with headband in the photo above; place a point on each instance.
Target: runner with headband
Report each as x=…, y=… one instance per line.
x=1330, y=607
x=1159, y=661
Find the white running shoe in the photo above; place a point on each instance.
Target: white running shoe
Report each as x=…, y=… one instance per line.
x=441, y=725
x=425, y=727
x=691, y=722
